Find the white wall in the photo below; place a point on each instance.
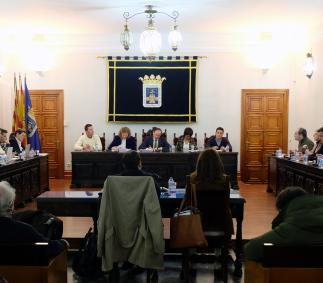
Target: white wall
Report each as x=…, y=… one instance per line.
x=220, y=80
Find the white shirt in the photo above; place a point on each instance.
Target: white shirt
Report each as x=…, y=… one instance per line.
x=123, y=143
x=19, y=144
x=186, y=146
x=94, y=142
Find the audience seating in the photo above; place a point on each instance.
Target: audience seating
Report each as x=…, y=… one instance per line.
x=214, y=208
x=206, y=139
x=175, y=140
x=150, y=132
x=29, y=263
x=287, y=264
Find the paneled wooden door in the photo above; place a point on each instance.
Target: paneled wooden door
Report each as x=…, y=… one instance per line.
x=264, y=129
x=48, y=107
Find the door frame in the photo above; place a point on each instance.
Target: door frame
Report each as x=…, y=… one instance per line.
x=285, y=109
x=60, y=126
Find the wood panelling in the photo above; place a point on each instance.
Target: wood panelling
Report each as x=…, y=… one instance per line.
x=48, y=107
x=264, y=128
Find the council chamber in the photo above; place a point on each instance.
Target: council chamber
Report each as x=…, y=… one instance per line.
x=161, y=141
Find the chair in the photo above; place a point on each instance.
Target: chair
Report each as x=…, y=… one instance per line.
x=103, y=142
x=150, y=132
x=114, y=135
x=214, y=204
x=288, y=264
x=29, y=263
x=206, y=139
x=175, y=140
x=136, y=209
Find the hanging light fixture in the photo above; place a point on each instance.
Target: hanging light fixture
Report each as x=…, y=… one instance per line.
x=309, y=65
x=150, y=39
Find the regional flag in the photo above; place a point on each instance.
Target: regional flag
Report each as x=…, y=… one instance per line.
x=30, y=121
x=19, y=110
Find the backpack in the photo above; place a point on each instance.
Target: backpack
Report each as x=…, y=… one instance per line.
x=45, y=223
x=85, y=262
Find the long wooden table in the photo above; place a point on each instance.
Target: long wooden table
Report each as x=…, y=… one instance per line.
x=87, y=204
x=91, y=168
x=284, y=172
x=29, y=177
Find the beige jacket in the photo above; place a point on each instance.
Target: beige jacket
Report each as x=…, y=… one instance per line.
x=94, y=142
x=130, y=224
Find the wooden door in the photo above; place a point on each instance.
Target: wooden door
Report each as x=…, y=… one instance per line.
x=48, y=107
x=264, y=129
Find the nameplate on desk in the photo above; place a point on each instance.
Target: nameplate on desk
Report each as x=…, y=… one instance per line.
x=81, y=194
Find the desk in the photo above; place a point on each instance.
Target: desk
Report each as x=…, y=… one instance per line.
x=29, y=177
x=284, y=172
x=92, y=168
x=82, y=204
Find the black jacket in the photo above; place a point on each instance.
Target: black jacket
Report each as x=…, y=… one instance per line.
x=149, y=142
x=14, y=145
x=131, y=143
x=224, y=142
x=137, y=172
x=13, y=231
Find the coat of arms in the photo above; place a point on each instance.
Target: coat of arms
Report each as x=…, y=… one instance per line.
x=152, y=90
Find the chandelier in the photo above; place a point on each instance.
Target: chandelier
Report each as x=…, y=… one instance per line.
x=150, y=39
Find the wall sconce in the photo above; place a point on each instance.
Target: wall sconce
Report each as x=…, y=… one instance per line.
x=309, y=65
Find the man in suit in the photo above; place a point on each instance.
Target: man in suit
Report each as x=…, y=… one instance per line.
x=219, y=142
x=155, y=142
x=131, y=162
x=303, y=141
x=13, y=231
x=16, y=141
x=3, y=141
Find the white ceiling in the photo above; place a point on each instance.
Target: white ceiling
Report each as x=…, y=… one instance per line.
x=209, y=17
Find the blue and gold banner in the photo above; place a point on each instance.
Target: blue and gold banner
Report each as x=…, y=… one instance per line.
x=143, y=91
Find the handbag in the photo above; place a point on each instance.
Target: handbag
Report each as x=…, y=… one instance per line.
x=186, y=229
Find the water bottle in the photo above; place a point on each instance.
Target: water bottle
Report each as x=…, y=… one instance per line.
x=305, y=158
x=227, y=148
x=171, y=186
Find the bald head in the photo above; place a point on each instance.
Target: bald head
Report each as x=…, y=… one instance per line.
x=7, y=198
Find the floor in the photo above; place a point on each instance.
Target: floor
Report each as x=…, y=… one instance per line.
x=259, y=212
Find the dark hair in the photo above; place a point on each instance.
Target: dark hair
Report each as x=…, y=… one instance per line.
x=19, y=132
x=287, y=195
x=219, y=128
x=131, y=160
x=3, y=131
x=209, y=167
x=87, y=126
x=188, y=132
x=303, y=132
x=320, y=130
x=154, y=129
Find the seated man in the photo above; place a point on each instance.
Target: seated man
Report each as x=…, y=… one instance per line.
x=299, y=222
x=132, y=167
x=13, y=231
x=155, y=142
x=3, y=141
x=89, y=141
x=16, y=141
x=303, y=141
x=219, y=142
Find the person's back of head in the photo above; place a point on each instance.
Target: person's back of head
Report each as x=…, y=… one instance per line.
x=7, y=199
x=209, y=167
x=287, y=195
x=131, y=160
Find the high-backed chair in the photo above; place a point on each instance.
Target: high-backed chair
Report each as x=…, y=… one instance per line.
x=150, y=132
x=30, y=263
x=103, y=141
x=175, y=140
x=287, y=264
x=214, y=204
x=206, y=139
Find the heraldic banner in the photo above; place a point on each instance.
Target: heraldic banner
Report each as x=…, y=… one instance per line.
x=141, y=91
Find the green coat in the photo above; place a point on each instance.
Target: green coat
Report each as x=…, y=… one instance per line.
x=301, y=222
x=130, y=224
x=305, y=141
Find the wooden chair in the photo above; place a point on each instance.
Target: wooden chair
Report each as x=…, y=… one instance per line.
x=206, y=139
x=103, y=141
x=287, y=264
x=150, y=132
x=29, y=263
x=214, y=205
x=175, y=139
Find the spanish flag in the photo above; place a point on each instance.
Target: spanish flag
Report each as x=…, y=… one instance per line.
x=19, y=110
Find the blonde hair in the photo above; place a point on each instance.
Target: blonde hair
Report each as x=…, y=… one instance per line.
x=7, y=198
x=125, y=130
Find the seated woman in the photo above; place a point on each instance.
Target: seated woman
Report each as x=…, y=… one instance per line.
x=123, y=141
x=209, y=175
x=186, y=142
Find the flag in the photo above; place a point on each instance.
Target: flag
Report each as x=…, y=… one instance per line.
x=19, y=110
x=30, y=122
